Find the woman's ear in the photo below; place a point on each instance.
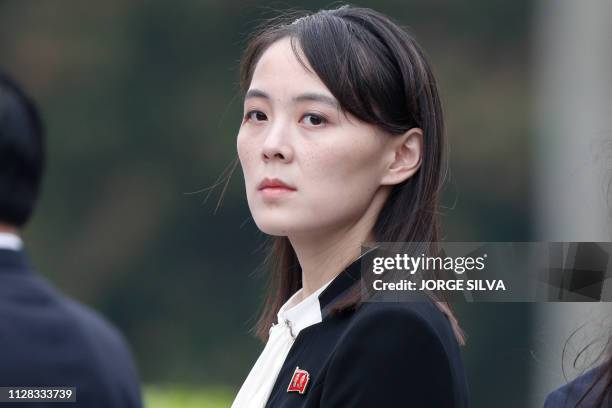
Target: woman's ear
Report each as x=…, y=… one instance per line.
x=406, y=151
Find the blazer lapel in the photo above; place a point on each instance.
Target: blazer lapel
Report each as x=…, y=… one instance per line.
x=340, y=286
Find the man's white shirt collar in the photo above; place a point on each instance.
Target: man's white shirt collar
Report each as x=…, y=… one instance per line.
x=10, y=241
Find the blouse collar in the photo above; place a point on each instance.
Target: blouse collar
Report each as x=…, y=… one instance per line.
x=299, y=314
x=315, y=307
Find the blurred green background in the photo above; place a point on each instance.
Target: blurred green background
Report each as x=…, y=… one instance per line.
x=141, y=105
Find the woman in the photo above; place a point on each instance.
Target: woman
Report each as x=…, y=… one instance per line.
x=593, y=389
x=341, y=143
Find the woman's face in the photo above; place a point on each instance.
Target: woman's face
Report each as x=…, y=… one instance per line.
x=293, y=130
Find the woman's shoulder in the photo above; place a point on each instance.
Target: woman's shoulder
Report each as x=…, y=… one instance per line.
x=569, y=394
x=405, y=318
x=411, y=344
x=414, y=333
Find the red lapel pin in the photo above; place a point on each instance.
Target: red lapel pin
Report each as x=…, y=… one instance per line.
x=299, y=381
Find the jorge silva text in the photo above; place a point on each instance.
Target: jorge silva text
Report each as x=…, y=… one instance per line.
x=440, y=284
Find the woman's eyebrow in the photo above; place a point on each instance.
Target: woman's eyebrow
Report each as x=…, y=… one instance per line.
x=256, y=93
x=308, y=96
x=317, y=97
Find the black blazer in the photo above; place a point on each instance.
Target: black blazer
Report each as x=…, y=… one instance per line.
x=47, y=339
x=392, y=354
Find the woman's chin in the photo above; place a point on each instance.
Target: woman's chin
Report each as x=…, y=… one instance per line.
x=282, y=229
x=276, y=229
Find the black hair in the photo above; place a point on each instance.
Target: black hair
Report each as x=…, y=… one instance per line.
x=22, y=153
x=378, y=73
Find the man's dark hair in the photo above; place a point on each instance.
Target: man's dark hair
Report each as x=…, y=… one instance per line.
x=21, y=153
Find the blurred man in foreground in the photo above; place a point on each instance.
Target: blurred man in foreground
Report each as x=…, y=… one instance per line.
x=46, y=339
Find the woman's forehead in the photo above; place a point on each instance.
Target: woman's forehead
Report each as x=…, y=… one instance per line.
x=279, y=69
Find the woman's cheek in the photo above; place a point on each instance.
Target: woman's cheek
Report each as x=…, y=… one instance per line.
x=329, y=200
x=246, y=155
x=242, y=148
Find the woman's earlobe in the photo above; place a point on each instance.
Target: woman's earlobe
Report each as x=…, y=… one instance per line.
x=408, y=151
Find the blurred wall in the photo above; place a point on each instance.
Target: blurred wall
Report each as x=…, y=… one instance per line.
x=572, y=90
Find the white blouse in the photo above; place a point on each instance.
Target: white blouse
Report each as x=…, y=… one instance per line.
x=293, y=316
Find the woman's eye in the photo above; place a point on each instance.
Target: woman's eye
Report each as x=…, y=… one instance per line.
x=256, y=116
x=314, y=120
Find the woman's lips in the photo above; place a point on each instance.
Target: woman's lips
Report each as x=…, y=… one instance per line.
x=274, y=188
x=277, y=191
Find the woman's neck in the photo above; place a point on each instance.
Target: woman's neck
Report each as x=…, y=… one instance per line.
x=321, y=261
x=322, y=256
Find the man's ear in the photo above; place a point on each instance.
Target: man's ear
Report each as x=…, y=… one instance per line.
x=406, y=152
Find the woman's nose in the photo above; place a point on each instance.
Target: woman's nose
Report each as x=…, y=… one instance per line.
x=277, y=144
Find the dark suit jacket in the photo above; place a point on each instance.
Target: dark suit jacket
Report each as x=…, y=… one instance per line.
x=47, y=339
x=392, y=354
x=569, y=394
